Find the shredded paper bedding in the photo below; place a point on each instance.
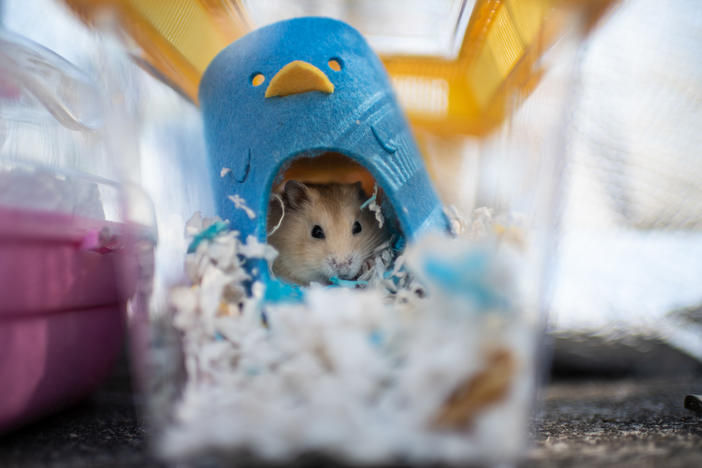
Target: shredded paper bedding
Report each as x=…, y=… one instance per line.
x=426, y=357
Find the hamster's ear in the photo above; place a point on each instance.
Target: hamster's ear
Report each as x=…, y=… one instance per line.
x=295, y=194
x=358, y=188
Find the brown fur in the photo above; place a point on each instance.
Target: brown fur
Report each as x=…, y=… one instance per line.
x=334, y=207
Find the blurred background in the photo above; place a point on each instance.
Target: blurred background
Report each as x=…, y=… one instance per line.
x=630, y=256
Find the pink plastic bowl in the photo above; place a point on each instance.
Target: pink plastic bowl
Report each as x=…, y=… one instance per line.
x=62, y=311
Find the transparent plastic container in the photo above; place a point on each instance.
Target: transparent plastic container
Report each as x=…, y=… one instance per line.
x=67, y=240
x=436, y=358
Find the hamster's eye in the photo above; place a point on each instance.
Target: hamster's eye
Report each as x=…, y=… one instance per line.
x=257, y=79
x=356, y=228
x=317, y=232
x=335, y=64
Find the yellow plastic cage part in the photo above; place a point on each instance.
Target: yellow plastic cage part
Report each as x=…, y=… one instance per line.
x=496, y=68
x=469, y=95
x=178, y=38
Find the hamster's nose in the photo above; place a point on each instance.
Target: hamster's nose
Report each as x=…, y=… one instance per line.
x=341, y=267
x=298, y=77
x=340, y=263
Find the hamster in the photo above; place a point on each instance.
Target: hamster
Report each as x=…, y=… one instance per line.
x=323, y=232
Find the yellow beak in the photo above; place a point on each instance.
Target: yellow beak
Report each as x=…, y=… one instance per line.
x=299, y=77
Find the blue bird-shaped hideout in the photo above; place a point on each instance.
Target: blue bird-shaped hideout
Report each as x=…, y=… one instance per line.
x=300, y=88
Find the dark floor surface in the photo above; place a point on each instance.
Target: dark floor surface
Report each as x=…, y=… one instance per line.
x=638, y=422
x=632, y=422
